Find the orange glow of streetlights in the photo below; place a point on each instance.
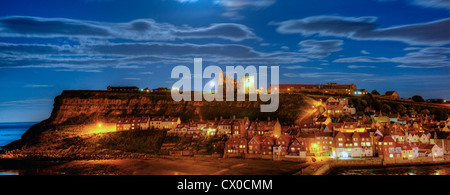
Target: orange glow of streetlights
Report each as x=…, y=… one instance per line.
x=99, y=128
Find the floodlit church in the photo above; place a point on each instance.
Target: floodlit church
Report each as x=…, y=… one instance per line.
x=229, y=83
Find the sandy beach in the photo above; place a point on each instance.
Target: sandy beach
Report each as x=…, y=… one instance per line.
x=154, y=166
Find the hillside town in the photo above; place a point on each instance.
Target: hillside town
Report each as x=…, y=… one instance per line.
x=331, y=128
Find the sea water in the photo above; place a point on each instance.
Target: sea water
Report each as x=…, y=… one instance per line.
x=10, y=132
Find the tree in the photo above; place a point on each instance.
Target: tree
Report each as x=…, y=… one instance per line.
x=417, y=98
x=375, y=92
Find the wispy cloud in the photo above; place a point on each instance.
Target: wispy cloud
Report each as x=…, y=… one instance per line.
x=361, y=59
x=284, y=47
x=30, y=102
x=364, y=28
x=430, y=57
x=135, y=79
x=147, y=73
x=436, y=4
x=301, y=67
x=94, y=57
x=319, y=48
x=37, y=86
x=365, y=52
x=119, y=66
x=441, y=4
x=329, y=75
x=233, y=7
x=187, y=1
x=140, y=29
x=359, y=66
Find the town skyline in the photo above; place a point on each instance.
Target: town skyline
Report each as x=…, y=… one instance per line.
x=284, y=87
x=51, y=46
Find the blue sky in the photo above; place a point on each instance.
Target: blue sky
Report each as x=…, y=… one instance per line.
x=53, y=45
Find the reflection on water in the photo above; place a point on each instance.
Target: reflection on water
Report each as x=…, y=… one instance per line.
x=412, y=170
x=9, y=172
x=35, y=171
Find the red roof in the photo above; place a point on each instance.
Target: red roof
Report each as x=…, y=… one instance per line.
x=157, y=118
x=129, y=120
x=258, y=139
x=298, y=86
x=363, y=134
x=236, y=140
x=388, y=139
x=390, y=92
x=269, y=139
x=426, y=146
x=285, y=137
x=226, y=122
x=405, y=146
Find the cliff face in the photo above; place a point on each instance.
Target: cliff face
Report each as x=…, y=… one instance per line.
x=75, y=107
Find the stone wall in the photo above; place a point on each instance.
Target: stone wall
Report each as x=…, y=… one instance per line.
x=238, y=155
x=293, y=158
x=357, y=163
x=259, y=156
x=375, y=162
x=415, y=161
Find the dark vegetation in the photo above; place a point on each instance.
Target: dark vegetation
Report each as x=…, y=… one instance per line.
x=417, y=98
x=394, y=107
x=134, y=141
x=290, y=108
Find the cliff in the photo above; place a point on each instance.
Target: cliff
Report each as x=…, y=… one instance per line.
x=74, y=108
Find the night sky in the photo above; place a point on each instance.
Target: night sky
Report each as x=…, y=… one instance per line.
x=52, y=45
